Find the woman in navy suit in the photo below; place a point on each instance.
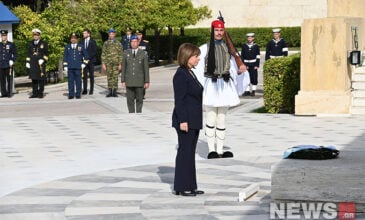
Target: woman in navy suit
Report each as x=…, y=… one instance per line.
x=187, y=119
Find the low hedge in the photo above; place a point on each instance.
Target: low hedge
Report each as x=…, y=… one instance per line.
x=281, y=83
x=199, y=36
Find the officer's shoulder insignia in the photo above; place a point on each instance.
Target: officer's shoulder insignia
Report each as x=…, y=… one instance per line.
x=146, y=41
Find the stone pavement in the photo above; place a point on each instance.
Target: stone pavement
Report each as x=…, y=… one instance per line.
x=88, y=159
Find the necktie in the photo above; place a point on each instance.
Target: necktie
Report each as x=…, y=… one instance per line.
x=86, y=44
x=134, y=53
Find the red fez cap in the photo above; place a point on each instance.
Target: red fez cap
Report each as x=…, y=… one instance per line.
x=218, y=24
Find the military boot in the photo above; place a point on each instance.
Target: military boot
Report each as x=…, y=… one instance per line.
x=110, y=94
x=115, y=93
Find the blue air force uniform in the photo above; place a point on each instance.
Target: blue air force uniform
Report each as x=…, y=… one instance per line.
x=8, y=56
x=126, y=42
x=75, y=56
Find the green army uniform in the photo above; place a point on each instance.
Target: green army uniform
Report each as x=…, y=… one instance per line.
x=135, y=73
x=111, y=56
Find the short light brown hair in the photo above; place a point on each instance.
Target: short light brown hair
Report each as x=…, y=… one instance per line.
x=186, y=50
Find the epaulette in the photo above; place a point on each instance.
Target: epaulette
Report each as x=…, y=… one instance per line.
x=146, y=41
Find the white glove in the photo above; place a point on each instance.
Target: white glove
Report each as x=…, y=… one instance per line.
x=27, y=65
x=65, y=69
x=83, y=65
x=40, y=61
x=11, y=63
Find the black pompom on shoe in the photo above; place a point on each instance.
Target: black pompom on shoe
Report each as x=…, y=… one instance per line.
x=227, y=154
x=213, y=155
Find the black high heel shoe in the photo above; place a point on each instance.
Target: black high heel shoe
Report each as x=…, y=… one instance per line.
x=185, y=193
x=198, y=192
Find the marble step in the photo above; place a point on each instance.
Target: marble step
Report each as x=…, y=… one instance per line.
x=357, y=110
x=334, y=180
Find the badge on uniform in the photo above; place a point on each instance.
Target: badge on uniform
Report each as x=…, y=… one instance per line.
x=79, y=48
x=8, y=47
x=41, y=46
x=311, y=152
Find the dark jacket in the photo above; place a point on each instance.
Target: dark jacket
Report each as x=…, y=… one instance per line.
x=73, y=58
x=91, y=50
x=126, y=42
x=250, y=54
x=276, y=49
x=188, y=95
x=7, y=52
x=35, y=53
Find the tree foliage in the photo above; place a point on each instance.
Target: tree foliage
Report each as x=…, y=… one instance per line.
x=63, y=17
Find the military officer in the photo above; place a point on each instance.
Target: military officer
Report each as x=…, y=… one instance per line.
x=8, y=56
x=75, y=60
x=126, y=39
x=250, y=55
x=276, y=47
x=111, y=60
x=135, y=75
x=143, y=44
x=36, y=63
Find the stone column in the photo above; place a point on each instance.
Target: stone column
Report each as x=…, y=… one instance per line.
x=325, y=86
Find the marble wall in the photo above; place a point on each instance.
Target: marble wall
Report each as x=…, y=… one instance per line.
x=263, y=13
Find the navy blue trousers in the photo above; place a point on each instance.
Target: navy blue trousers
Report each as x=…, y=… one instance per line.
x=253, y=74
x=185, y=172
x=74, y=77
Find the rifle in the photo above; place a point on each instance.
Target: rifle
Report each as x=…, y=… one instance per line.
x=232, y=49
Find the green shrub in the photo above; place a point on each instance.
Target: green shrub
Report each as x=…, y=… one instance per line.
x=199, y=36
x=22, y=50
x=281, y=83
x=262, y=35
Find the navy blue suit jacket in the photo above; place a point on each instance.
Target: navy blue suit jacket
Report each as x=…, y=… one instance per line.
x=91, y=50
x=188, y=95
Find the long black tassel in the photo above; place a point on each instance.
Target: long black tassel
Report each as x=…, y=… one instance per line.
x=211, y=54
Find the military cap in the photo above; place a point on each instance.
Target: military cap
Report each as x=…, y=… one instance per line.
x=250, y=34
x=74, y=35
x=128, y=29
x=138, y=32
x=276, y=30
x=218, y=24
x=4, y=32
x=134, y=37
x=111, y=30
x=36, y=31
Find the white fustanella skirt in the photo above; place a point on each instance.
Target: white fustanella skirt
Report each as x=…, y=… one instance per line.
x=220, y=93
